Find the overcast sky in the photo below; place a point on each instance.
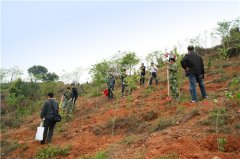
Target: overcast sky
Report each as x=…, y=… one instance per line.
x=66, y=35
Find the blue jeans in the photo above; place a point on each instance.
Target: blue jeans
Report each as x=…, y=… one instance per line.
x=193, y=79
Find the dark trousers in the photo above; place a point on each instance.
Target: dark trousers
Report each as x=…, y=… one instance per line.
x=142, y=78
x=153, y=76
x=74, y=101
x=123, y=89
x=110, y=92
x=48, y=125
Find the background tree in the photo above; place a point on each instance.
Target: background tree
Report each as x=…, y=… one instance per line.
x=72, y=77
x=37, y=72
x=99, y=73
x=155, y=57
x=129, y=60
x=3, y=74
x=50, y=77
x=223, y=31
x=10, y=74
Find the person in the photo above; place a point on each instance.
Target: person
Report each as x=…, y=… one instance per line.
x=74, y=96
x=142, y=74
x=193, y=65
x=66, y=98
x=173, y=69
x=153, y=74
x=47, y=115
x=123, y=81
x=110, y=84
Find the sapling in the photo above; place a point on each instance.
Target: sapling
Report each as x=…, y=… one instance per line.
x=221, y=144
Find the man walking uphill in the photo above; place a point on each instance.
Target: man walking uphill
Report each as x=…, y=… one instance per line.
x=49, y=108
x=193, y=65
x=153, y=74
x=74, y=95
x=110, y=83
x=142, y=74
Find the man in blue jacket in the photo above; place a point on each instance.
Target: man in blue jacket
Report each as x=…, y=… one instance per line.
x=49, y=108
x=193, y=65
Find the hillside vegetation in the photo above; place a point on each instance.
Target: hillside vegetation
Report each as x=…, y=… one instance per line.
x=145, y=124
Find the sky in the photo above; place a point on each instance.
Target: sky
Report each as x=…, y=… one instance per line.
x=65, y=35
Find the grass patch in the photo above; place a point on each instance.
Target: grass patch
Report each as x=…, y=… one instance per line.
x=146, y=92
x=7, y=147
x=237, y=126
x=101, y=155
x=132, y=138
x=52, y=151
x=163, y=124
x=221, y=79
x=98, y=155
x=180, y=109
x=211, y=120
x=169, y=156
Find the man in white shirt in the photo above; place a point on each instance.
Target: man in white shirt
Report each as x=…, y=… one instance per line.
x=153, y=73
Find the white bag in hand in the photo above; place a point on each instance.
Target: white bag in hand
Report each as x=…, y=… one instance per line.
x=39, y=134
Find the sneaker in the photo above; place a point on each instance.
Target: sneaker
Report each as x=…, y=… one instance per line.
x=206, y=97
x=193, y=101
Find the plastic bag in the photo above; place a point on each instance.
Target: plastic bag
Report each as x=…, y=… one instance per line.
x=39, y=134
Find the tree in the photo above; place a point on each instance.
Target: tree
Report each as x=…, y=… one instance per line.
x=100, y=71
x=38, y=72
x=223, y=31
x=3, y=74
x=196, y=41
x=129, y=60
x=14, y=73
x=50, y=77
x=10, y=74
x=155, y=57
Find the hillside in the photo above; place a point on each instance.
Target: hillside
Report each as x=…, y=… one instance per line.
x=145, y=124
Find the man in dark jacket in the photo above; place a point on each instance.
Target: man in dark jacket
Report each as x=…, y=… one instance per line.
x=142, y=74
x=74, y=96
x=110, y=83
x=193, y=65
x=47, y=115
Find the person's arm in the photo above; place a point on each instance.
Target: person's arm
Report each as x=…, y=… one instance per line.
x=44, y=110
x=184, y=63
x=202, y=68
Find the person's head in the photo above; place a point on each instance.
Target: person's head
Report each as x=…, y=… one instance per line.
x=68, y=88
x=172, y=60
x=142, y=64
x=50, y=95
x=152, y=63
x=190, y=48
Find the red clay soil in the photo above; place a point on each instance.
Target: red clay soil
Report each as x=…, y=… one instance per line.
x=185, y=139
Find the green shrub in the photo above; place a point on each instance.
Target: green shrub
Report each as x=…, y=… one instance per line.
x=100, y=155
x=221, y=144
x=216, y=116
x=51, y=152
x=163, y=124
x=47, y=87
